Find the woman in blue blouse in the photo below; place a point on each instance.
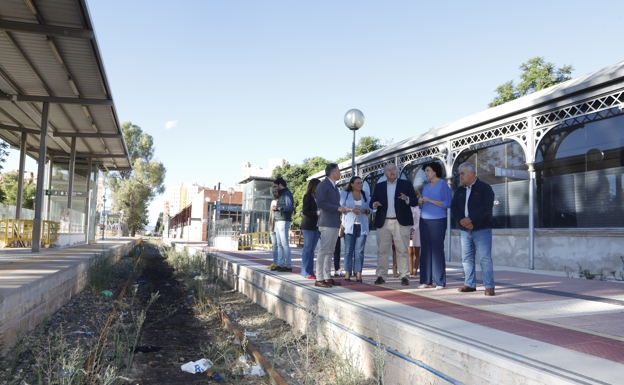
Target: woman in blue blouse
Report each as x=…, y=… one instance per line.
x=355, y=222
x=435, y=200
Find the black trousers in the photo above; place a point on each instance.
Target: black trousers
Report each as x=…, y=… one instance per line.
x=337, y=255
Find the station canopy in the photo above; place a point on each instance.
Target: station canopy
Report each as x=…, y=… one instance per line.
x=49, y=53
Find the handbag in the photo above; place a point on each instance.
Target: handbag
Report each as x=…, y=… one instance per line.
x=341, y=233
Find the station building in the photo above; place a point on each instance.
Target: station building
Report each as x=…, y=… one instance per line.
x=563, y=208
x=56, y=106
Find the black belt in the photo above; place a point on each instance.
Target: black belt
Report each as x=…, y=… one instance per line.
x=391, y=218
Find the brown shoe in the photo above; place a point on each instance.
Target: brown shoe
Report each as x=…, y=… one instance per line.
x=490, y=292
x=333, y=282
x=322, y=284
x=467, y=289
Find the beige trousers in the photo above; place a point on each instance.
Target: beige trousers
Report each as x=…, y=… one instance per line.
x=392, y=231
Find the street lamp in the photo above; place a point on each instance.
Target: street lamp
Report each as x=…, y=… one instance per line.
x=208, y=221
x=354, y=120
x=230, y=192
x=104, y=208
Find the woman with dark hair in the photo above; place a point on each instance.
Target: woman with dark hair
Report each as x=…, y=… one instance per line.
x=309, y=226
x=435, y=200
x=355, y=223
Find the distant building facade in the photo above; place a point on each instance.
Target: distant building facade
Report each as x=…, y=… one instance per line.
x=248, y=171
x=177, y=197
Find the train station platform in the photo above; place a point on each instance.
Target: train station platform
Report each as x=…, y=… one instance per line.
x=36, y=284
x=541, y=327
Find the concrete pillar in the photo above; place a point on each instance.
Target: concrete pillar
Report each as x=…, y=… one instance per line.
x=70, y=187
x=20, y=177
x=43, y=146
x=88, y=200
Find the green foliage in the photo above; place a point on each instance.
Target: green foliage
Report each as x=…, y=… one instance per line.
x=3, y=154
x=8, y=192
x=134, y=190
x=536, y=75
x=4, y=146
x=506, y=93
x=365, y=145
x=159, y=227
x=140, y=145
x=100, y=272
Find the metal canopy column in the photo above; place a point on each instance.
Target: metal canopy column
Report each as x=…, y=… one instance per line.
x=531, y=163
x=20, y=177
x=70, y=187
x=43, y=145
x=88, y=200
x=49, y=197
x=449, y=182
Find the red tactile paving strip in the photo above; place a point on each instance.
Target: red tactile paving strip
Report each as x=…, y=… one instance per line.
x=598, y=346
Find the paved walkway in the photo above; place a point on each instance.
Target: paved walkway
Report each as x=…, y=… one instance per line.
x=548, y=308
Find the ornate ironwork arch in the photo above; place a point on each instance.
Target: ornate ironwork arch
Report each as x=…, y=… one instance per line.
x=599, y=108
x=344, y=178
x=516, y=131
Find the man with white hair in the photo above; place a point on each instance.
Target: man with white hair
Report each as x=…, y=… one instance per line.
x=472, y=207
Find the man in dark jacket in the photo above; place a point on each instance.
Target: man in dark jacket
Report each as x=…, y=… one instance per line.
x=328, y=201
x=472, y=207
x=392, y=198
x=282, y=213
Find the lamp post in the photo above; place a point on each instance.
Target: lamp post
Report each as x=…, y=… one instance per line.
x=104, y=209
x=230, y=192
x=121, y=218
x=354, y=120
x=208, y=221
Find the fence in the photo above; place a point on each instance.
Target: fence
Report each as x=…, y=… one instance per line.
x=254, y=241
x=8, y=212
x=18, y=232
x=262, y=240
x=71, y=221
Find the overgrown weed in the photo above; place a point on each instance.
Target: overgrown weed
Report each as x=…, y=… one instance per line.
x=307, y=356
x=46, y=356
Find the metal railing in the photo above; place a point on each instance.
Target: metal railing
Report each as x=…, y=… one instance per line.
x=262, y=240
x=254, y=241
x=18, y=232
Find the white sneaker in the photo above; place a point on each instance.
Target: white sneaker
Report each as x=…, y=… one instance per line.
x=424, y=286
x=440, y=287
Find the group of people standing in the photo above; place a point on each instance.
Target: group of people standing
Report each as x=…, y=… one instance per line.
x=412, y=224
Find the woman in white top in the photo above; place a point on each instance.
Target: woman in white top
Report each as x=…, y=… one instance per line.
x=355, y=223
x=414, y=245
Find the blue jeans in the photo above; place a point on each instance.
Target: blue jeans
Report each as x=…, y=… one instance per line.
x=479, y=243
x=283, y=246
x=274, y=247
x=354, y=250
x=310, y=239
x=432, y=262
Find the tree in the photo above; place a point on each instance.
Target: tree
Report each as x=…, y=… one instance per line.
x=365, y=145
x=132, y=191
x=536, y=75
x=159, y=227
x=9, y=191
x=3, y=154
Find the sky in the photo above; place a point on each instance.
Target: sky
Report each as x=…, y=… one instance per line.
x=219, y=83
